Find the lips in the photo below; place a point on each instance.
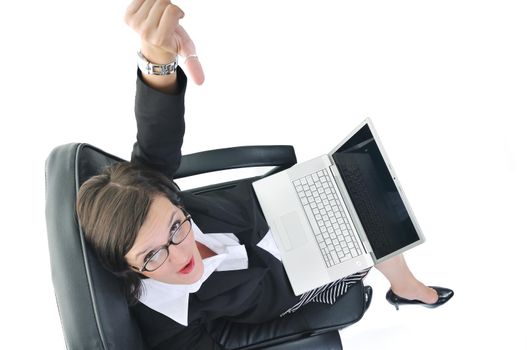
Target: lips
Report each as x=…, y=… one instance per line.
x=188, y=267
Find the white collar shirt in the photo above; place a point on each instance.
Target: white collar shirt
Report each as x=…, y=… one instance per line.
x=172, y=300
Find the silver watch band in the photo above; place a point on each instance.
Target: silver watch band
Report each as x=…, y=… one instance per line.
x=155, y=69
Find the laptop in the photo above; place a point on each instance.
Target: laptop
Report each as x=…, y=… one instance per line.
x=339, y=213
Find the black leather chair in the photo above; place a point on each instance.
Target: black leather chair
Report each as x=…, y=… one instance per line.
x=93, y=311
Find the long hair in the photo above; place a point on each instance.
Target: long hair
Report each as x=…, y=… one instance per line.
x=112, y=207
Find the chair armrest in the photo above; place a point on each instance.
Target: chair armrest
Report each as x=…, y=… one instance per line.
x=326, y=341
x=299, y=330
x=281, y=157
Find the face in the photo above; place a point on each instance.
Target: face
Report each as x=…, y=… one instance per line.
x=184, y=264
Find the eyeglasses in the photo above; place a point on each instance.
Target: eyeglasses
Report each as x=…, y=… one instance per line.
x=155, y=258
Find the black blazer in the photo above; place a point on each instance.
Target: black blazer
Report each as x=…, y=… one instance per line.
x=255, y=295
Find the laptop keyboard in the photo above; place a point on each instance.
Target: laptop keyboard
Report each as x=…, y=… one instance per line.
x=332, y=229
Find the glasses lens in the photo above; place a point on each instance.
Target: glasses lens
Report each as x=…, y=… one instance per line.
x=182, y=232
x=156, y=260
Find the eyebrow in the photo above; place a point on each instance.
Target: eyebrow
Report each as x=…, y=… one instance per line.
x=169, y=227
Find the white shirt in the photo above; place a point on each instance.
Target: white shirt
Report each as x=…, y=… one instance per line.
x=172, y=299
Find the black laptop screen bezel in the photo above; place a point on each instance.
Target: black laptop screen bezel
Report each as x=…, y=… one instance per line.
x=385, y=216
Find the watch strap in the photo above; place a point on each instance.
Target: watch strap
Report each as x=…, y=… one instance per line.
x=155, y=69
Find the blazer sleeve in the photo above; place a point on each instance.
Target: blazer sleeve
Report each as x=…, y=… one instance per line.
x=162, y=333
x=160, y=126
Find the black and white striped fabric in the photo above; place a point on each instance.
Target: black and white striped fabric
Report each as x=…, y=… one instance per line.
x=328, y=293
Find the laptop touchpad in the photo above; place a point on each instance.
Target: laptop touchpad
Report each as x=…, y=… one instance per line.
x=292, y=235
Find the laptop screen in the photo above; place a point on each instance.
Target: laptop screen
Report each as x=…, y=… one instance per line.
x=375, y=197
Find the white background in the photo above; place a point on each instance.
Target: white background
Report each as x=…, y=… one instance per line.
x=445, y=83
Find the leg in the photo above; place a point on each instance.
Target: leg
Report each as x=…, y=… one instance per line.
x=403, y=283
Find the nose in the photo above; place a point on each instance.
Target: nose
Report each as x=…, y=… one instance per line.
x=175, y=254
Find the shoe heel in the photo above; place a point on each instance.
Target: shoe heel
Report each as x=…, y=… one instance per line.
x=396, y=303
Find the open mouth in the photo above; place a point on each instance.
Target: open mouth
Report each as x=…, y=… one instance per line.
x=188, y=267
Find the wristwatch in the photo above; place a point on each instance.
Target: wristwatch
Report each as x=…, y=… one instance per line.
x=155, y=69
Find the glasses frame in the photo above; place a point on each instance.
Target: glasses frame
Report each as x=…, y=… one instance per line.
x=167, y=245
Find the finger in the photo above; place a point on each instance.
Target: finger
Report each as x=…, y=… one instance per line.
x=156, y=12
x=184, y=42
x=194, y=69
x=188, y=50
x=139, y=17
x=133, y=7
x=167, y=29
x=151, y=24
x=175, y=12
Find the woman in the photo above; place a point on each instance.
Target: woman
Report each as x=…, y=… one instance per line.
x=150, y=234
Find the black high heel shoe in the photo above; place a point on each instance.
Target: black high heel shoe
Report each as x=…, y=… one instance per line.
x=444, y=295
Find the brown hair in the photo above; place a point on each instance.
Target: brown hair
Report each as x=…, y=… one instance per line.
x=112, y=207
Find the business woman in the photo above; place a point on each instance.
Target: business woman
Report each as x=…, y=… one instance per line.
x=187, y=260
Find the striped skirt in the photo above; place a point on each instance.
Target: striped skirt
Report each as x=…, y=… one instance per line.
x=328, y=293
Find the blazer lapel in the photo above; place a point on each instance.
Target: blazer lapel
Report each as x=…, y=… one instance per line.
x=221, y=282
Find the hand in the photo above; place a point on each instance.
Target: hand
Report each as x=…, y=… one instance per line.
x=163, y=38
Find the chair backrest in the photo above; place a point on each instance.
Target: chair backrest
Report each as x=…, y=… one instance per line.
x=92, y=307
x=93, y=311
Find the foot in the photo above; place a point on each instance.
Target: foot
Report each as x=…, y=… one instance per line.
x=419, y=292
x=443, y=295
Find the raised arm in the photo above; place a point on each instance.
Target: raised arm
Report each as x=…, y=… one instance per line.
x=159, y=105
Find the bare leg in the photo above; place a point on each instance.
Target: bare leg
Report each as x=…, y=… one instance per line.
x=403, y=283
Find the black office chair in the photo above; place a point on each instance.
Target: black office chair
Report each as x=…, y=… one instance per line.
x=92, y=308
